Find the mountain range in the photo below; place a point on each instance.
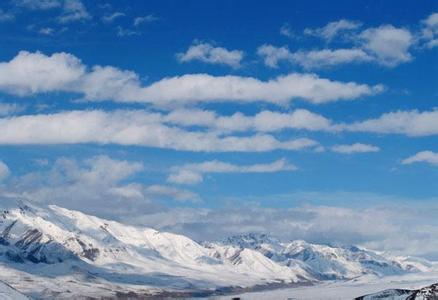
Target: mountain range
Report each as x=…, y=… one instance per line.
x=53, y=252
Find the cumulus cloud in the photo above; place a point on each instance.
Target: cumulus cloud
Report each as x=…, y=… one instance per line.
x=430, y=30
x=207, y=53
x=95, y=185
x=131, y=128
x=311, y=59
x=332, y=29
x=423, y=156
x=390, y=45
x=411, y=123
x=31, y=73
x=98, y=185
x=193, y=173
x=386, y=45
x=206, y=88
x=355, y=148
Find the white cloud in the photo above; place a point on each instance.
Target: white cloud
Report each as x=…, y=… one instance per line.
x=146, y=19
x=386, y=45
x=172, y=193
x=98, y=185
x=6, y=16
x=207, y=53
x=110, y=18
x=131, y=128
x=7, y=109
x=312, y=59
x=73, y=11
x=390, y=45
x=423, y=156
x=430, y=30
x=389, y=226
x=193, y=173
x=31, y=73
x=355, y=148
x=332, y=29
x=264, y=121
x=207, y=88
x=411, y=123
x=4, y=171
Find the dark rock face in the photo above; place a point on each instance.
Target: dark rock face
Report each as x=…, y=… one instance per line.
x=31, y=247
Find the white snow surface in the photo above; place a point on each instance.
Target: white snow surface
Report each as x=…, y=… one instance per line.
x=9, y=293
x=350, y=289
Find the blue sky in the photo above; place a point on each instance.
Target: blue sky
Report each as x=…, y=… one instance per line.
x=187, y=115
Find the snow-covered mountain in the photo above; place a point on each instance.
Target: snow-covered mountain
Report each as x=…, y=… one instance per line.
x=327, y=262
x=55, y=252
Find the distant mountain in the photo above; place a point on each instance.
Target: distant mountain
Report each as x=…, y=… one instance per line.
x=426, y=293
x=326, y=262
x=55, y=252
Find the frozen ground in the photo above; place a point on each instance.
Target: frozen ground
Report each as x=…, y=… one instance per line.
x=343, y=290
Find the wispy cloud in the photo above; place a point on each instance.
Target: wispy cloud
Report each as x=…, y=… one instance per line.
x=146, y=19
x=193, y=173
x=39, y=4
x=411, y=123
x=333, y=29
x=6, y=16
x=355, y=148
x=112, y=17
x=423, y=156
x=126, y=32
x=73, y=11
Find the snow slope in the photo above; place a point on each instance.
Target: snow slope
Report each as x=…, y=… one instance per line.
x=9, y=293
x=326, y=262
